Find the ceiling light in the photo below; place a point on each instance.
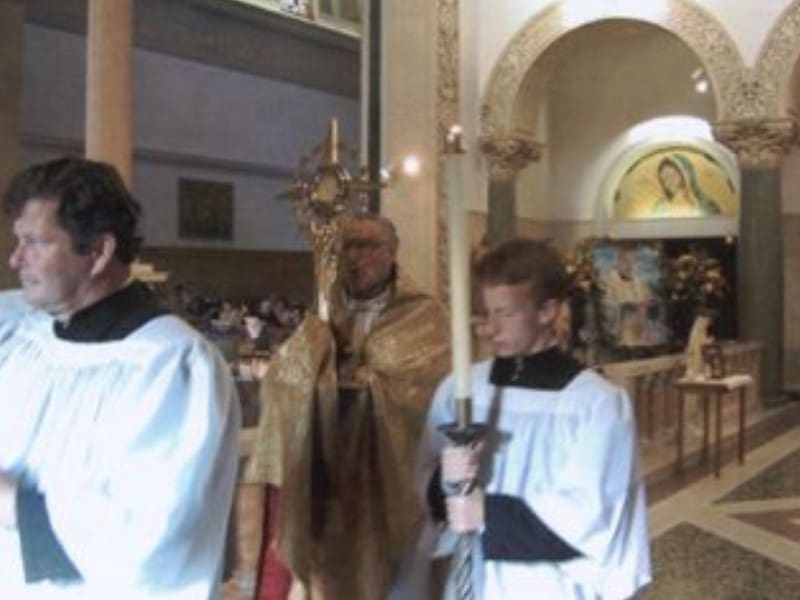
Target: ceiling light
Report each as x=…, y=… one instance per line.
x=701, y=86
x=411, y=165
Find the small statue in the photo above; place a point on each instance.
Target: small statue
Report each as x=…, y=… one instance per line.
x=699, y=337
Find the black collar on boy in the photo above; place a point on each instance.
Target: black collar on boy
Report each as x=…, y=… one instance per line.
x=549, y=369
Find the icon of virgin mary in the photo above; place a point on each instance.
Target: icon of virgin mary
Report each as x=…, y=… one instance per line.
x=682, y=195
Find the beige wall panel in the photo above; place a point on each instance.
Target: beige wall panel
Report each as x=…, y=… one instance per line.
x=409, y=126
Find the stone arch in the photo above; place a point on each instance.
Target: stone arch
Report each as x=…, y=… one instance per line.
x=502, y=114
x=775, y=66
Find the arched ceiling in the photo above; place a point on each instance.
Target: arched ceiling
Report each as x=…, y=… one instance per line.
x=601, y=50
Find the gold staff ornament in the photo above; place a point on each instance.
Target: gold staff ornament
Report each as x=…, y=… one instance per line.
x=322, y=192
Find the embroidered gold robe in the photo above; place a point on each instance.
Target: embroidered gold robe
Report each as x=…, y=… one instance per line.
x=349, y=509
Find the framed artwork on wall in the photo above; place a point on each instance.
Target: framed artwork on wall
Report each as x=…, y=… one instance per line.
x=678, y=182
x=633, y=299
x=633, y=319
x=205, y=209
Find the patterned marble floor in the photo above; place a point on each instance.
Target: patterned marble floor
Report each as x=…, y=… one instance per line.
x=732, y=538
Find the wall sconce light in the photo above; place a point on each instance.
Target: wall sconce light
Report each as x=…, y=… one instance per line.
x=410, y=167
x=700, y=81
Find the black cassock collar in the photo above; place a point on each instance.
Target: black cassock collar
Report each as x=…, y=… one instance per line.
x=113, y=317
x=549, y=369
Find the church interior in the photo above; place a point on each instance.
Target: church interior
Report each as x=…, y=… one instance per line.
x=655, y=143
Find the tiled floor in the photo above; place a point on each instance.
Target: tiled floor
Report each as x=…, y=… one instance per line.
x=736, y=537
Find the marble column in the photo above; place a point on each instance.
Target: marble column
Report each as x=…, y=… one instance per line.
x=109, y=98
x=760, y=146
x=12, y=32
x=507, y=156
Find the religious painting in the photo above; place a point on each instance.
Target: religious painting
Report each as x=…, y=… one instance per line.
x=679, y=182
x=632, y=308
x=205, y=209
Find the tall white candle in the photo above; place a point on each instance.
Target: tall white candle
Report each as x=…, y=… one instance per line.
x=459, y=271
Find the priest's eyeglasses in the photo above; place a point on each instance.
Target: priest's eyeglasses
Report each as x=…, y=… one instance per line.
x=362, y=245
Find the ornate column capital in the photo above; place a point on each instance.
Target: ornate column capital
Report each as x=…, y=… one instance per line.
x=757, y=143
x=507, y=156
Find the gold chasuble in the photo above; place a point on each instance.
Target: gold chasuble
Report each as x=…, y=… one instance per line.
x=343, y=452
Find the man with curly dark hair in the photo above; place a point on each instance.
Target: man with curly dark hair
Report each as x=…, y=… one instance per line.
x=118, y=422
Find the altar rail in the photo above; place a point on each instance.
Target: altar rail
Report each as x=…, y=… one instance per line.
x=649, y=383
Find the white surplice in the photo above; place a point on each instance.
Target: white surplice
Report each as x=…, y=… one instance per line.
x=570, y=455
x=12, y=309
x=134, y=444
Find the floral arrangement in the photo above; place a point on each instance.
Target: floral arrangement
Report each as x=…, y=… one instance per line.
x=689, y=283
x=583, y=297
x=696, y=279
x=693, y=282
x=581, y=269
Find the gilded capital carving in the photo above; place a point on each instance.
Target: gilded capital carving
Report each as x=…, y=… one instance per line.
x=507, y=156
x=757, y=143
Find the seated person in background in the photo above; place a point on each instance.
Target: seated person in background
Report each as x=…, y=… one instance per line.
x=559, y=506
x=119, y=423
x=275, y=317
x=295, y=316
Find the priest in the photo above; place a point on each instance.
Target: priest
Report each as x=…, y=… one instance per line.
x=344, y=403
x=119, y=423
x=559, y=508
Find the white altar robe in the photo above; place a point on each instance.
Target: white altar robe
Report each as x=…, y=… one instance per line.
x=571, y=456
x=134, y=444
x=12, y=309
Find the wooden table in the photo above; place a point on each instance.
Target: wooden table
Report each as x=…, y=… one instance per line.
x=712, y=389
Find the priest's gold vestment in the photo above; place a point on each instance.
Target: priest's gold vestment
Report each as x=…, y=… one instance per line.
x=348, y=505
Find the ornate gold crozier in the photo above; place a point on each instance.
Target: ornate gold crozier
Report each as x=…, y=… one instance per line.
x=328, y=537
x=323, y=191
